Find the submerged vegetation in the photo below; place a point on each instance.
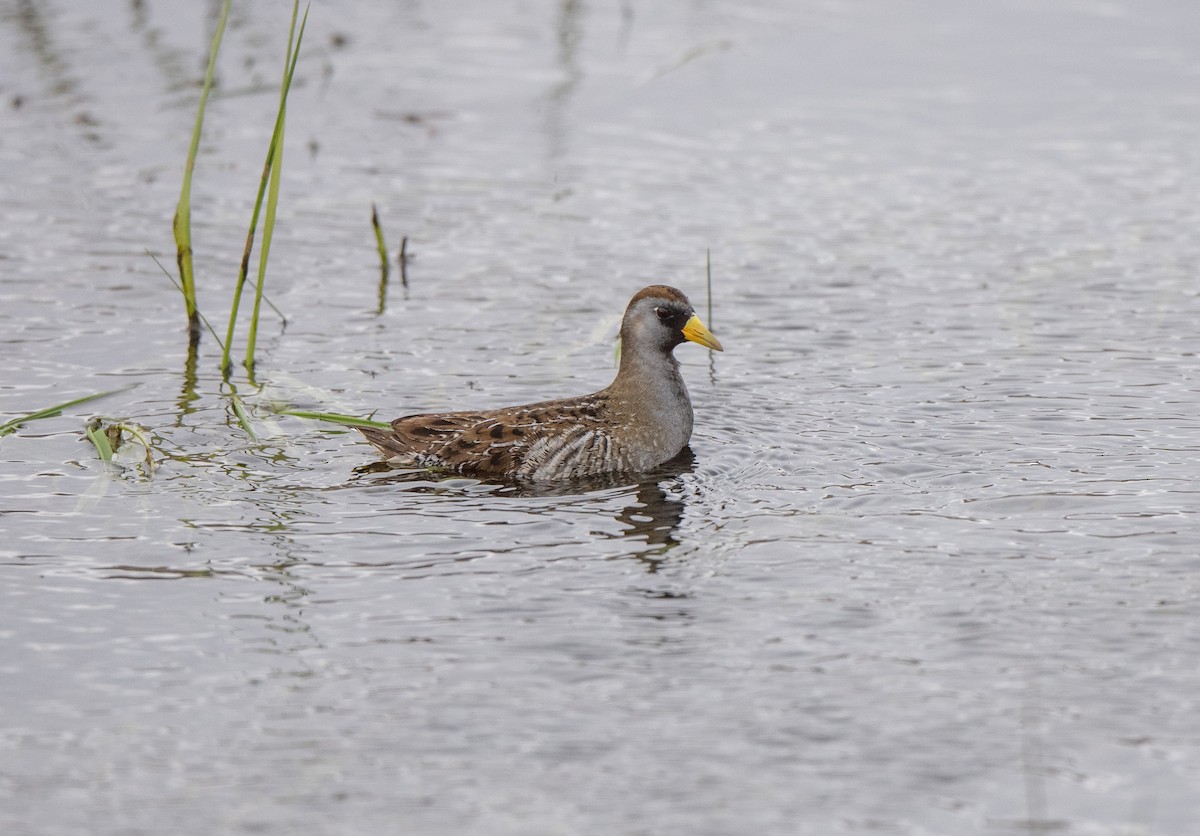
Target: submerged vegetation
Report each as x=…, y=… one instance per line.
x=108, y=439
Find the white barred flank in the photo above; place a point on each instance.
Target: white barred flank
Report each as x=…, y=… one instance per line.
x=585, y=452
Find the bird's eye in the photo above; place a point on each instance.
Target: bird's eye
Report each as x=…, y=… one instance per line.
x=662, y=313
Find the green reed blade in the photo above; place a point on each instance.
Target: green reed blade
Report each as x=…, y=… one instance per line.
x=239, y=409
x=403, y=259
x=182, y=225
x=383, y=259
x=106, y=438
x=244, y=269
x=51, y=411
x=383, y=256
x=336, y=418
x=99, y=439
x=275, y=157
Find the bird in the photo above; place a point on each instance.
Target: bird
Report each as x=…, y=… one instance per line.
x=638, y=422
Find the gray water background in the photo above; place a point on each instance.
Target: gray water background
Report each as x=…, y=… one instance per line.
x=934, y=569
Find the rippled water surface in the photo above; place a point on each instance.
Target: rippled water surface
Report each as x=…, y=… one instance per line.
x=933, y=569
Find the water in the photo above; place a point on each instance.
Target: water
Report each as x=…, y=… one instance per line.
x=934, y=566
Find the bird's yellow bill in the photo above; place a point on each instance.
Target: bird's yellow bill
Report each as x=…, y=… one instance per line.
x=695, y=331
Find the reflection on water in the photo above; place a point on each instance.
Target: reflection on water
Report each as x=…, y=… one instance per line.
x=38, y=36
x=653, y=517
x=569, y=33
x=657, y=514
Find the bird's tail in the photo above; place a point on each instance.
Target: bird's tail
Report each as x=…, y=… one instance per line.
x=384, y=441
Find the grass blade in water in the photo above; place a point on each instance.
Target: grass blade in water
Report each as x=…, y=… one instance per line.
x=12, y=426
x=107, y=440
x=99, y=439
x=239, y=409
x=383, y=256
x=275, y=155
x=137, y=432
x=336, y=418
x=183, y=211
x=243, y=271
x=383, y=259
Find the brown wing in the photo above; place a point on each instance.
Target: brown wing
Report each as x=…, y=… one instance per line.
x=423, y=435
x=429, y=433
x=501, y=442
x=495, y=442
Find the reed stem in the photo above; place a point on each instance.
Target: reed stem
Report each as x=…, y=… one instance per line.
x=275, y=161
x=182, y=225
x=96, y=434
x=383, y=259
x=383, y=256
x=244, y=269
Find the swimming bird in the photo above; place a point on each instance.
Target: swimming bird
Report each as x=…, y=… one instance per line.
x=641, y=420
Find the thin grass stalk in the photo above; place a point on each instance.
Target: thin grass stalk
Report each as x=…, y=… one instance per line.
x=275, y=153
x=383, y=256
x=182, y=225
x=10, y=427
x=383, y=259
x=336, y=418
x=243, y=271
x=239, y=409
x=171, y=279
